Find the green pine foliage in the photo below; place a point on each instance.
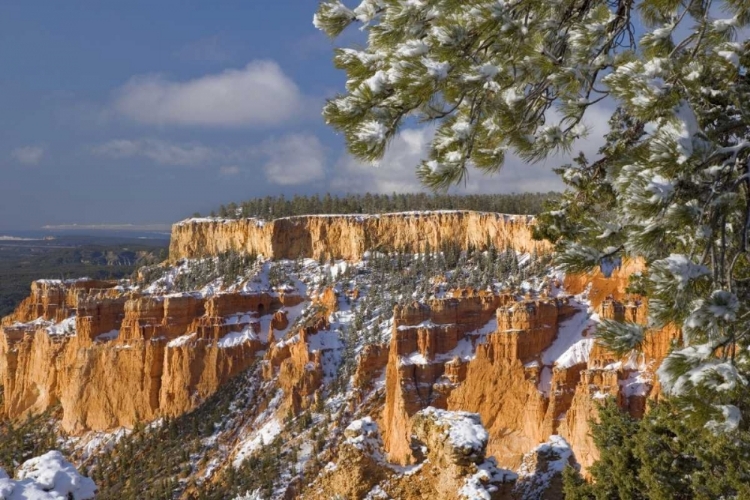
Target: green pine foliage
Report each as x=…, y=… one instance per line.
x=228, y=266
x=671, y=186
x=615, y=473
x=28, y=438
x=488, y=73
x=273, y=207
x=662, y=457
x=162, y=462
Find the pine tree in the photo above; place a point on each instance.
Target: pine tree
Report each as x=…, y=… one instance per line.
x=662, y=457
x=672, y=186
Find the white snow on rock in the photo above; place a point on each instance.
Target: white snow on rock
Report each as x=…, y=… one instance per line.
x=65, y=327
x=558, y=447
x=324, y=340
x=364, y=435
x=377, y=493
x=638, y=383
x=94, y=443
x=263, y=437
x=482, y=484
x=570, y=346
x=110, y=335
x=540, y=466
x=32, y=325
x=47, y=477
x=180, y=341
x=250, y=495
x=233, y=339
x=465, y=349
x=464, y=429
x=576, y=354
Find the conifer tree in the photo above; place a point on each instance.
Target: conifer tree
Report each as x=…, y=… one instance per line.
x=672, y=186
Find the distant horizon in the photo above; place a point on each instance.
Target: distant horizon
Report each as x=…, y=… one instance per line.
x=167, y=226
x=36, y=234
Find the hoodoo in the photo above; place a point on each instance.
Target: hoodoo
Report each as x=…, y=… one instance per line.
x=343, y=339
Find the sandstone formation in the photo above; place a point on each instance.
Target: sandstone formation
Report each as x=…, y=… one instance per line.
x=525, y=365
x=350, y=236
x=440, y=356
x=453, y=467
x=112, y=358
x=540, y=474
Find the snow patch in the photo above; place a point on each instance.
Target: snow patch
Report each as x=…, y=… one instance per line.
x=571, y=347
x=47, y=477
x=464, y=430
x=482, y=484
x=180, y=341
x=541, y=465
x=234, y=339
x=105, y=337
x=65, y=327
x=263, y=437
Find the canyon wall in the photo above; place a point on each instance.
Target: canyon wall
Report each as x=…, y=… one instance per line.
x=111, y=357
x=350, y=236
x=527, y=364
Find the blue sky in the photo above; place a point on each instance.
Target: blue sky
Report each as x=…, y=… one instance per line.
x=145, y=112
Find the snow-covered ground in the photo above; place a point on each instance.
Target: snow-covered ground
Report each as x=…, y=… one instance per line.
x=47, y=477
x=573, y=342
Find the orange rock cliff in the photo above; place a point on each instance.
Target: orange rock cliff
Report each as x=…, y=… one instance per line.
x=112, y=355
x=350, y=236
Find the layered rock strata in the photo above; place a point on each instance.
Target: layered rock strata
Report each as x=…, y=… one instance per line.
x=111, y=358
x=350, y=236
x=490, y=354
x=527, y=365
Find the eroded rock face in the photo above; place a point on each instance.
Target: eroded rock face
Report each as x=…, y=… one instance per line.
x=350, y=236
x=540, y=474
x=453, y=465
x=530, y=373
x=112, y=358
x=457, y=365
x=360, y=464
x=525, y=366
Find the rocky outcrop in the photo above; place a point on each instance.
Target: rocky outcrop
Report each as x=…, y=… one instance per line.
x=453, y=465
x=111, y=358
x=360, y=468
x=445, y=353
x=49, y=476
x=350, y=236
x=525, y=365
x=456, y=365
x=540, y=474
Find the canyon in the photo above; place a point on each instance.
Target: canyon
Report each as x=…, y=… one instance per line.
x=522, y=364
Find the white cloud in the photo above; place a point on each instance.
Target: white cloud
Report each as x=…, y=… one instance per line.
x=294, y=159
x=258, y=95
x=158, y=151
x=396, y=171
x=28, y=155
x=288, y=160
